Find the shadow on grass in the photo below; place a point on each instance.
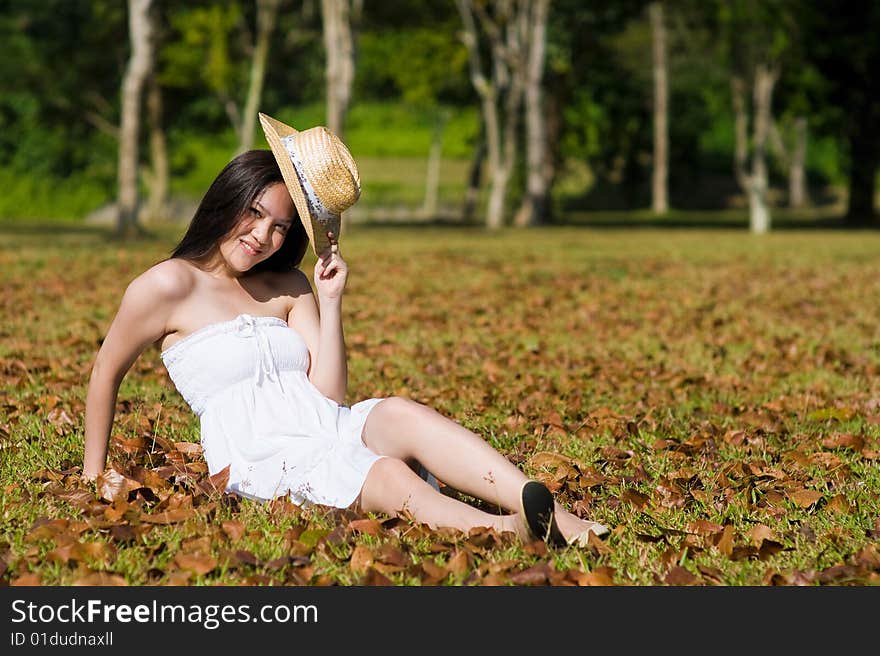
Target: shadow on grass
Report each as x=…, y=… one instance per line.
x=51, y=230
x=781, y=220
x=677, y=220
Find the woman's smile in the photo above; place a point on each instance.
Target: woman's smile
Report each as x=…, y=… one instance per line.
x=250, y=249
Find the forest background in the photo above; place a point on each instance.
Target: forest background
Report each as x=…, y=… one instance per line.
x=489, y=112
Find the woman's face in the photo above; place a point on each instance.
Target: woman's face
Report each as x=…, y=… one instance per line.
x=260, y=230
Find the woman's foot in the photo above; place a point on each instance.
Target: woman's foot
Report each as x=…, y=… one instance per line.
x=576, y=530
x=538, y=512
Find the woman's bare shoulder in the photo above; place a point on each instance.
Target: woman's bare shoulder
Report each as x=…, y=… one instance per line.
x=292, y=283
x=171, y=279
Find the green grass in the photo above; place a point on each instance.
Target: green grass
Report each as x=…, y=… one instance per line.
x=715, y=394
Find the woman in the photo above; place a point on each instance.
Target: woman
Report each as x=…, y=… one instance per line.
x=260, y=357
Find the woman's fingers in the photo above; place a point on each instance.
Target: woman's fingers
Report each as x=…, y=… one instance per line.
x=330, y=261
x=334, y=242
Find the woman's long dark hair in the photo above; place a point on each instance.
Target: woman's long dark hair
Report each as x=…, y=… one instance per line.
x=227, y=199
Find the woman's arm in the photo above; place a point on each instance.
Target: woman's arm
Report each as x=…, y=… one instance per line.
x=140, y=321
x=322, y=331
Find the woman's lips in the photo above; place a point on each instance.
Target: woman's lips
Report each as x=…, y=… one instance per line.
x=250, y=250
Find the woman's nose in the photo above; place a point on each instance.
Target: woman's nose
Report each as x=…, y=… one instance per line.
x=261, y=229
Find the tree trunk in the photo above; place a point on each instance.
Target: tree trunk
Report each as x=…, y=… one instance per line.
x=535, y=208
x=432, y=176
x=759, y=212
x=740, y=131
x=139, y=68
x=798, y=196
x=475, y=177
x=339, y=44
x=267, y=10
x=864, y=158
x=659, y=183
x=157, y=204
x=794, y=162
x=507, y=31
x=755, y=183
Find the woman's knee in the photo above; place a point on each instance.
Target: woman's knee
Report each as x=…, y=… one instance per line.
x=389, y=471
x=388, y=482
x=393, y=418
x=398, y=408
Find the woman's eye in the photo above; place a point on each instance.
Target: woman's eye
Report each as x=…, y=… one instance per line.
x=283, y=227
x=257, y=213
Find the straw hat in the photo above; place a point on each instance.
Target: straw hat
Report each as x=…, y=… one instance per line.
x=320, y=175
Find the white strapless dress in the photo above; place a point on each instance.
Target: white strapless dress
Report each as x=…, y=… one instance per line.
x=246, y=380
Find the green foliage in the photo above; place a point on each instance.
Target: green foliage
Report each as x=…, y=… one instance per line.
x=28, y=198
x=422, y=65
x=201, y=50
x=390, y=141
x=197, y=158
x=57, y=121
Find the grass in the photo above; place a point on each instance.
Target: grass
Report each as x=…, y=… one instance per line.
x=710, y=395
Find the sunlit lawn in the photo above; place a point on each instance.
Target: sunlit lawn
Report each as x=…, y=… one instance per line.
x=710, y=395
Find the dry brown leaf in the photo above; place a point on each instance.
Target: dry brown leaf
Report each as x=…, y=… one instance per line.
x=129, y=445
x=725, y=542
x=361, y=559
x=168, y=516
x=27, y=579
x=434, y=573
x=100, y=579
x=245, y=557
x=844, y=441
x=220, y=480
x=374, y=577
x=116, y=511
x=44, y=529
x=759, y=533
x=233, y=529
x=458, y=564
x=598, y=576
x=679, y=576
x=113, y=486
x=840, y=504
x=704, y=527
x=368, y=526
x=189, y=448
x=535, y=575
x=637, y=499
x=197, y=563
x=804, y=498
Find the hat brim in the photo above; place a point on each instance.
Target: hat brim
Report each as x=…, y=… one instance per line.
x=275, y=131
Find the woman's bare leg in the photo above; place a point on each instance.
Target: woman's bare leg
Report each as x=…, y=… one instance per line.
x=405, y=429
x=392, y=486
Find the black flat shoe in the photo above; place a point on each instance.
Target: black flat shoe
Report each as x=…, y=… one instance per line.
x=536, y=504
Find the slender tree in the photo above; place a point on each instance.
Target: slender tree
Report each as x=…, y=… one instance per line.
x=159, y=173
x=339, y=42
x=504, y=25
x=753, y=179
x=659, y=181
x=793, y=157
x=140, y=64
x=267, y=11
x=757, y=39
x=535, y=208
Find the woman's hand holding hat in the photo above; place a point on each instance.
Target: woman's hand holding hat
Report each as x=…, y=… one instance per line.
x=331, y=271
